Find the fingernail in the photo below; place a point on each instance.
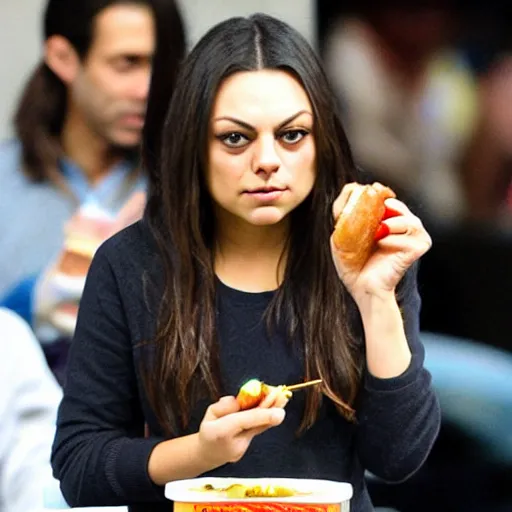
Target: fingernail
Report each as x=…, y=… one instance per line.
x=277, y=415
x=382, y=231
x=389, y=212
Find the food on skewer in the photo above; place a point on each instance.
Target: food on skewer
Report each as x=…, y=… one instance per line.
x=253, y=392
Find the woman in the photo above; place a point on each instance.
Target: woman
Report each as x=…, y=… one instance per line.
x=229, y=276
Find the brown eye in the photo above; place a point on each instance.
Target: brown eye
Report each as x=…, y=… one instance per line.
x=293, y=136
x=234, y=139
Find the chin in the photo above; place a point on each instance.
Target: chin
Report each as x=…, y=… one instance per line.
x=127, y=140
x=266, y=217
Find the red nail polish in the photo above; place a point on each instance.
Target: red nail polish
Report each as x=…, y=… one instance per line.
x=389, y=212
x=382, y=231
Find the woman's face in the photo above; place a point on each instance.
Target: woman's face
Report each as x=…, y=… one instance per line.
x=261, y=149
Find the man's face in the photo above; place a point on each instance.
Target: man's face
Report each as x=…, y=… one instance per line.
x=108, y=95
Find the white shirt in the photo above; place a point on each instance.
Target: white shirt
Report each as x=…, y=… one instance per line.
x=29, y=399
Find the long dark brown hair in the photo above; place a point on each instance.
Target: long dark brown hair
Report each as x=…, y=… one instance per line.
x=41, y=111
x=312, y=301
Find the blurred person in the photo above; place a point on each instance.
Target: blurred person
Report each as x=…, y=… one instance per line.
x=29, y=400
x=74, y=161
x=488, y=173
x=475, y=390
x=409, y=99
x=414, y=115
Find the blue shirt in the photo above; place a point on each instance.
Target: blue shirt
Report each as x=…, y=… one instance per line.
x=33, y=216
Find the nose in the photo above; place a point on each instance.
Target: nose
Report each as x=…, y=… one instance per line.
x=141, y=82
x=266, y=160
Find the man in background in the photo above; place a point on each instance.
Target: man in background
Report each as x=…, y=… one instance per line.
x=74, y=162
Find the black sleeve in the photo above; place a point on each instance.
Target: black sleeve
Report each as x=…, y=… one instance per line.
x=100, y=454
x=399, y=418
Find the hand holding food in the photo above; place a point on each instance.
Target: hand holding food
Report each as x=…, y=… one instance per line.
x=59, y=289
x=375, y=240
x=227, y=431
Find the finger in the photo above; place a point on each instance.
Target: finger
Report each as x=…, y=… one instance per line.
x=254, y=419
x=253, y=432
x=281, y=400
x=378, y=186
x=397, y=207
x=390, y=212
x=382, y=232
x=415, y=247
x=271, y=398
x=342, y=199
x=226, y=405
x=276, y=398
x=249, y=434
x=404, y=224
x=395, y=226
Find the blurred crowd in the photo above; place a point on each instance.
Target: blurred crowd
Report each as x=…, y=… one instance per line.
x=425, y=90
x=426, y=94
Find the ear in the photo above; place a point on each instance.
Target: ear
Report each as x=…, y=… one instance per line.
x=61, y=58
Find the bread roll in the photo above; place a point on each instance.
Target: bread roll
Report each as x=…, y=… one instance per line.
x=354, y=232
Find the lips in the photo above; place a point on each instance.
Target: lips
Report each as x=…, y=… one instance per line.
x=266, y=195
x=265, y=190
x=133, y=117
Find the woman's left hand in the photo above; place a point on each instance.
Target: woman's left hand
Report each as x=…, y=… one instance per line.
x=403, y=240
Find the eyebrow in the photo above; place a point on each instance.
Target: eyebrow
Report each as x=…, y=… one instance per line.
x=249, y=127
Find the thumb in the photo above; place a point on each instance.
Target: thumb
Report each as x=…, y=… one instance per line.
x=342, y=199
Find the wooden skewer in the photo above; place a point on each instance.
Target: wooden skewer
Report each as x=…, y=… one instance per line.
x=303, y=385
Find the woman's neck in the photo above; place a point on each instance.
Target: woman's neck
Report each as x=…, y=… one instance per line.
x=251, y=258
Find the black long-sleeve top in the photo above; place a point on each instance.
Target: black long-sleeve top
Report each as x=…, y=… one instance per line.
x=100, y=453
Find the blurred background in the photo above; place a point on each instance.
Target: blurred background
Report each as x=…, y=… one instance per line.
x=20, y=23
x=426, y=93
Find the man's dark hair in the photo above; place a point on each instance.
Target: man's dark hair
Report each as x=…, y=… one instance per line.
x=41, y=111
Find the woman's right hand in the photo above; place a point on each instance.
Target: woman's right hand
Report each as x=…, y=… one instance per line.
x=224, y=436
x=226, y=432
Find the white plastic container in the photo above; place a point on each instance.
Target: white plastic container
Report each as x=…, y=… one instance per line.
x=311, y=495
